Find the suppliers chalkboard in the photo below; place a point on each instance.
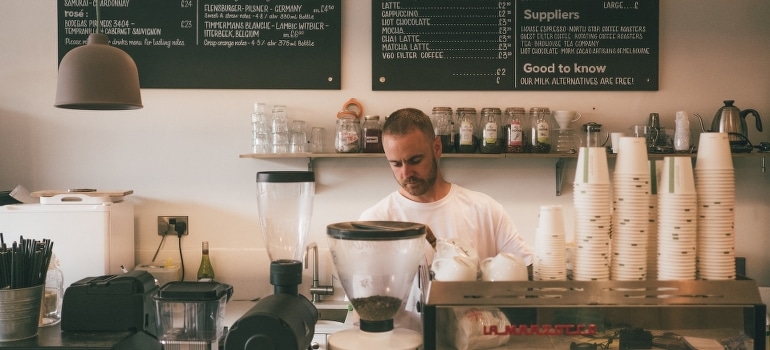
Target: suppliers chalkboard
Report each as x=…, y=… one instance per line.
x=515, y=45
x=239, y=44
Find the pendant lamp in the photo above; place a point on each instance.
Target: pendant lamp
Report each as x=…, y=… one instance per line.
x=97, y=76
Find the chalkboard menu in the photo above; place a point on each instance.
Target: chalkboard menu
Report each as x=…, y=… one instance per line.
x=515, y=45
x=270, y=44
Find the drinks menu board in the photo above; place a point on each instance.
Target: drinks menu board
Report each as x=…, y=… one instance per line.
x=515, y=45
x=271, y=44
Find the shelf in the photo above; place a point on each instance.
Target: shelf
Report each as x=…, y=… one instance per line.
x=560, y=158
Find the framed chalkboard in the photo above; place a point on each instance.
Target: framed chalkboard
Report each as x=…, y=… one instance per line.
x=238, y=44
x=515, y=45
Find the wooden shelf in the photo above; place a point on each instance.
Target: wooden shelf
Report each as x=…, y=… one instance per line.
x=559, y=157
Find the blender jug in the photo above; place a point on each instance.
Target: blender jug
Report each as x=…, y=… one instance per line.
x=285, y=200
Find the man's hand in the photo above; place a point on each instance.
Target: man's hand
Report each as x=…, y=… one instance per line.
x=430, y=237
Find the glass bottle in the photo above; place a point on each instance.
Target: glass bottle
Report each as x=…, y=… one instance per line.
x=54, y=293
x=467, y=140
x=348, y=135
x=372, y=134
x=514, y=130
x=205, y=271
x=491, y=130
x=441, y=118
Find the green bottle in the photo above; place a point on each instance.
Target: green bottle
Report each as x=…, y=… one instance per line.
x=205, y=271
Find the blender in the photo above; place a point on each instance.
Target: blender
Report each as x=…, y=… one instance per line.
x=285, y=319
x=376, y=262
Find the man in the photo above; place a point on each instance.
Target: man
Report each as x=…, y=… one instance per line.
x=425, y=197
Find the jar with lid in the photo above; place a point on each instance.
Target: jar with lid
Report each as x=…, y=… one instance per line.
x=372, y=134
x=593, y=135
x=347, y=138
x=513, y=130
x=540, y=130
x=491, y=130
x=443, y=126
x=466, y=138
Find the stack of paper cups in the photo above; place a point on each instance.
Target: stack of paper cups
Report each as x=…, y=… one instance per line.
x=593, y=216
x=677, y=220
x=652, y=236
x=715, y=184
x=550, y=246
x=631, y=211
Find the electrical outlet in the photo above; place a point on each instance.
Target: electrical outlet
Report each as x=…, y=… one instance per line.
x=168, y=225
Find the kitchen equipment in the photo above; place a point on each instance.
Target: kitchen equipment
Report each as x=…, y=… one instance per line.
x=91, y=304
x=593, y=135
x=190, y=313
x=565, y=118
x=93, y=231
x=376, y=289
x=731, y=120
x=285, y=319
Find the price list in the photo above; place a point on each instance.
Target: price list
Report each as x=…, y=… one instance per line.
x=514, y=45
x=216, y=43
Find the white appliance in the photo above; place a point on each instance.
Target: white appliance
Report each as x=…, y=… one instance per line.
x=92, y=235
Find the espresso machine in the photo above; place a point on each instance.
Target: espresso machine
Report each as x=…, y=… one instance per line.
x=285, y=319
x=376, y=262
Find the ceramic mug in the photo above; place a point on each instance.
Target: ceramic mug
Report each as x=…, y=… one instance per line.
x=456, y=268
x=503, y=267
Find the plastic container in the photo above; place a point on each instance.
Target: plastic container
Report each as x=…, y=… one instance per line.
x=190, y=311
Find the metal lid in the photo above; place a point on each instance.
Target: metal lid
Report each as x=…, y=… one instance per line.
x=285, y=176
x=375, y=230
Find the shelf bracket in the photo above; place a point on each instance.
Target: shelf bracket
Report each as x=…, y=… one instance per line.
x=560, y=167
x=309, y=163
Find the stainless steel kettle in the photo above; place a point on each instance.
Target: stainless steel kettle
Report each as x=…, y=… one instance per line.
x=731, y=120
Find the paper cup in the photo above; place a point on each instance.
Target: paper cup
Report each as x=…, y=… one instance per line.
x=714, y=151
x=677, y=176
x=592, y=166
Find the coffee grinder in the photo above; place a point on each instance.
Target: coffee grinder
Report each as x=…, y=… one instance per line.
x=376, y=262
x=285, y=319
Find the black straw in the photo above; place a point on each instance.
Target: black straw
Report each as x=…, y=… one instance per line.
x=25, y=264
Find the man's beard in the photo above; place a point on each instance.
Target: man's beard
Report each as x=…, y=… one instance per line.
x=416, y=186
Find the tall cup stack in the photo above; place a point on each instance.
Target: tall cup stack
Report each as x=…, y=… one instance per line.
x=550, y=245
x=677, y=220
x=715, y=184
x=652, y=235
x=631, y=211
x=593, y=216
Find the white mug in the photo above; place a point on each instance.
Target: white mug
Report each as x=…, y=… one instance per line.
x=457, y=268
x=503, y=267
x=564, y=118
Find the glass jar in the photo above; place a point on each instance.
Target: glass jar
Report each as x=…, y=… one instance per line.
x=348, y=134
x=491, y=130
x=540, y=130
x=372, y=134
x=466, y=138
x=443, y=126
x=513, y=130
x=54, y=294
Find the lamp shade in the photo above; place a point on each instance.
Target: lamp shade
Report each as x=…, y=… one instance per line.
x=98, y=76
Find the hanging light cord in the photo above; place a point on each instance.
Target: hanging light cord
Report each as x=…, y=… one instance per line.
x=98, y=18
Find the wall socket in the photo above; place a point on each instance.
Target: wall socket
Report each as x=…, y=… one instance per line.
x=167, y=225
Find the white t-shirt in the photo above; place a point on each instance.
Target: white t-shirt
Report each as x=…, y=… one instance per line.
x=468, y=215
